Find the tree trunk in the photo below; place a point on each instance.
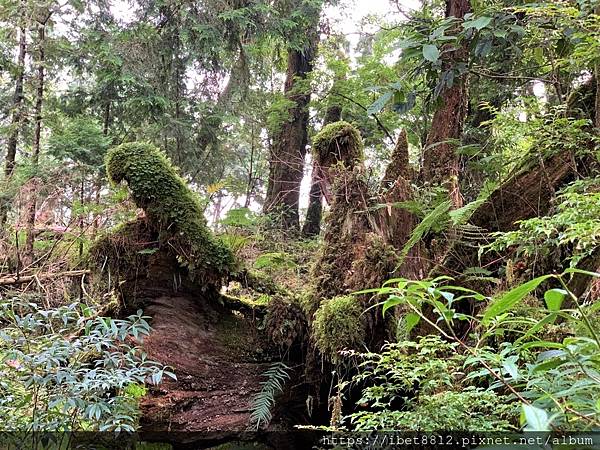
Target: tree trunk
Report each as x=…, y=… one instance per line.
x=17, y=116
x=526, y=194
x=441, y=163
x=39, y=99
x=312, y=224
x=11, y=148
x=286, y=165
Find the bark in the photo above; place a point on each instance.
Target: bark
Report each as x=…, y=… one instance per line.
x=398, y=166
x=348, y=222
x=312, y=224
x=11, y=148
x=39, y=99
x=16, y=120
x=286, y=165
x=526, y=194
x=580, y=283
x=441, y=163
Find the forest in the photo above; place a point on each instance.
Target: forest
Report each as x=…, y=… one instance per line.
x=257, y=224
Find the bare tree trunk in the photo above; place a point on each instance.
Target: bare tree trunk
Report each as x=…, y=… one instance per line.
x=441, y=163
x=11, y=148
x=287, y=158
x=39, y=100
x=312, y=224
x=17, y=116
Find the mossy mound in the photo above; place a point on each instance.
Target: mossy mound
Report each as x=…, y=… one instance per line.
x=332, y=139
x=172, y=209
x=339, y=324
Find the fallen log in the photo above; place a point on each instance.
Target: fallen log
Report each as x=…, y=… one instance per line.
x=20, y=279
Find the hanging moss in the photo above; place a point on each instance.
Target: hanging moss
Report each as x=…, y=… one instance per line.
x=338, y=141
x=338, y=325
x=171, y=208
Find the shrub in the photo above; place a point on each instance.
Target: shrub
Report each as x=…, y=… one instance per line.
x=69, y=369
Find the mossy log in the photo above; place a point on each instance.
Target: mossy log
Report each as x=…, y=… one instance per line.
x=174, y=223
x=169, y=263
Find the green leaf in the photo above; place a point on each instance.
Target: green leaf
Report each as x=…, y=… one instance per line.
x=478, y=24
x=511, y=368
x=511, y=298
x=554, y=298
x=392, y=301
x=536, y=419
x=380, y=103
x=431, y=52
x=411, y=320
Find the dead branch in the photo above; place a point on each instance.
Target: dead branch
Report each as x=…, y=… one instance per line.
x=19, y=279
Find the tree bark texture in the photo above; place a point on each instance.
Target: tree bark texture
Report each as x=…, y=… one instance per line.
x=17, y=113
x=286, y=165
x=440, y=162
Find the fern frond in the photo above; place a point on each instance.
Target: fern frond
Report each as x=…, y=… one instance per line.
x=263, y=402
x=431, y=219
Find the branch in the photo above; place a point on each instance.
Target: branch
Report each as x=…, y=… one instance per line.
x=385, y=130
x=16, y=279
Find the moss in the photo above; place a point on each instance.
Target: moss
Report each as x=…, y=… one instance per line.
x=338, y=325
x=172, y=208
x=327, y=143
x=343, y=240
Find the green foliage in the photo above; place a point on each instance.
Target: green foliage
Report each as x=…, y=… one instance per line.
x=339, y=324
x=551, y=370
x=171, y=207
x=240, y=218
x=263, y=402
x=574, y=224
x=69, y=369
x=417, y=386
x=429, y=221
x=274, y=260
x=81, y=140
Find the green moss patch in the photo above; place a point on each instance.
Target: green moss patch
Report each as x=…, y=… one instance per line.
x=338, y=325
x=329, y=142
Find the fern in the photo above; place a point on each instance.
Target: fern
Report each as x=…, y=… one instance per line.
x=431, y=219
x=263, y=402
